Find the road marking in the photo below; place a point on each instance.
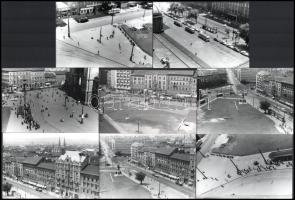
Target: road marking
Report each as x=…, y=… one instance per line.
x=111, y=177
x=236, y=105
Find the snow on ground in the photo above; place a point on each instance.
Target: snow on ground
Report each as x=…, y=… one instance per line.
x=221, y=139
x=224, y=178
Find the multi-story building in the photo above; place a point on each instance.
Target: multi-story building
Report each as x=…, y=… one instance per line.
x=287, y=91
x=262, y=81
x=82, y=83
x=89, y=181
x=32, y=78
x=211, y=78
x=30, y=168
x=123, y=79
x=67, y=173
x=45, y=172
x=246, y=75
x=135, y=147
x=169, y=82
x=112, y=79
x=234, y=10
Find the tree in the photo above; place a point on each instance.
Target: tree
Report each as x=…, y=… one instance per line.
x=140, y=176
x=118, y=153
x=193, y=14
x=244, y=32
x=7, y=187
x=264, y=105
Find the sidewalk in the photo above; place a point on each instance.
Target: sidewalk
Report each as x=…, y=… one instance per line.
x=153, y=186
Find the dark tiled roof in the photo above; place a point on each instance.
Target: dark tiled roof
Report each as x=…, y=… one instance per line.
x=91, y=170
x=20, y=159
x=167, y=151
x=22, y=69
x=32, y=160
x=47, y=165
x=163, y=72
x=181, y=156
x=211, y=72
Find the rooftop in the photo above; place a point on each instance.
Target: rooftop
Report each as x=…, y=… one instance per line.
x=32, y=160
x=73, y=155
x=47, y=165
x=91, y=170
x=167, y=151
x=163, y=72
x=181, y=156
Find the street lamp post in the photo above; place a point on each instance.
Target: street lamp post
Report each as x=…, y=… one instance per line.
x=112, y=15
x=82, y=113
x=131, y=56
x=69, y=33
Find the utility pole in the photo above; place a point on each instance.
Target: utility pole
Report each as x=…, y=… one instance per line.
x=69, y=33
x=202, y=173
x=100, y=35
x=131, y=56
x=238, y=170
x=112, y=15
x=265, y=161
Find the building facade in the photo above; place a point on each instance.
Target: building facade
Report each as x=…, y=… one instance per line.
x=231, y=9
x=67, y=173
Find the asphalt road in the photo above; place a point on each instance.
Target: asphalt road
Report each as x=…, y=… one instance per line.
x=164, y=181
x=30, y=190
x=212, y=53
x=121, y=187
x=101, y=21
x=165, y=49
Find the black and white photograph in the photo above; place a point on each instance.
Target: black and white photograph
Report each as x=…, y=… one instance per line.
x=46, y=100
x=201, y=34
x=148, y=101
x=104, y=34
x=249, y=166
x=147, y=166
x=245, y=101
x=50, y=166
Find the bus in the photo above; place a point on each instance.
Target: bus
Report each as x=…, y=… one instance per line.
x=204, y=37
x=189, y=29
x=210, y=29
x=114, y=11
x=177, y=23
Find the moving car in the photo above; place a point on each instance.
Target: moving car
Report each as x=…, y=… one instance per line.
x=82, y=19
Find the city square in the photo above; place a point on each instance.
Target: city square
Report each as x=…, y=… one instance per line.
x=201, y=34
x=42, y=103
x=125, y=174
x=234, y=105
x=103, y=34
x=244, y=172
x=131, y=104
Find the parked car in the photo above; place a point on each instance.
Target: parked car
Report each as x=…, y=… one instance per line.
x=237, y=49
x=245, y=53
x=38, y=189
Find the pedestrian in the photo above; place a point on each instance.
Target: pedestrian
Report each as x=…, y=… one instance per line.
x=78, y=43
x=98, y=52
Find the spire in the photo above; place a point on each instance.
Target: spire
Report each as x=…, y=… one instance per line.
x=59, y=141
x=64, y=142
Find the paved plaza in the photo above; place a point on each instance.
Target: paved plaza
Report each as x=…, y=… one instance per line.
x=98, y=43
x=131, y=114
x=50, y=119
x=228, y=116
